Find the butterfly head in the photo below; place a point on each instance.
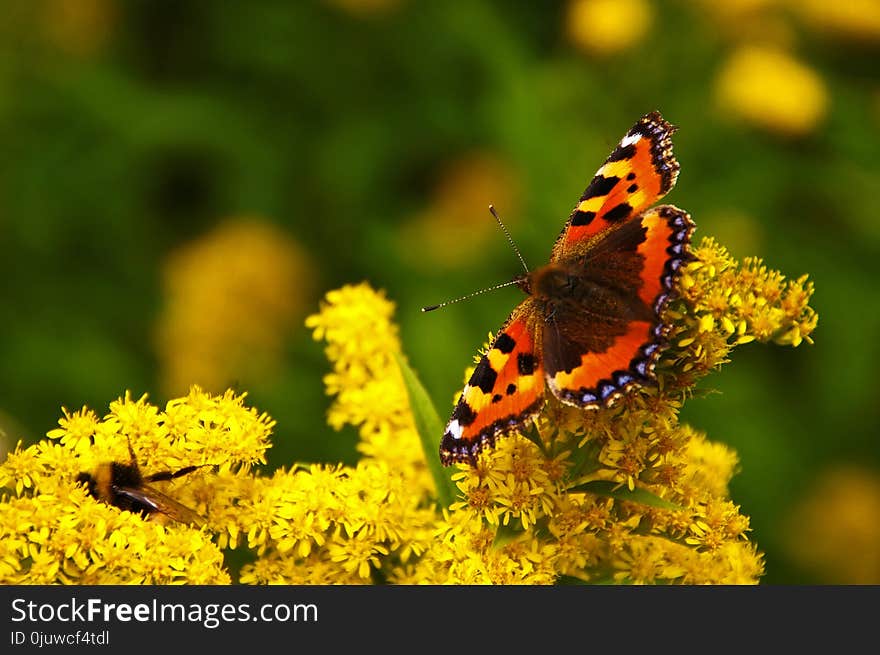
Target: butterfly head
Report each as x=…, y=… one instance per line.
x=555, y=280
x=524, y=282
x=550, y=281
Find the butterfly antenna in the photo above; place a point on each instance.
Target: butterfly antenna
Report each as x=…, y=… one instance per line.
x=516, y=280
x=431, y=308
x=509, y=238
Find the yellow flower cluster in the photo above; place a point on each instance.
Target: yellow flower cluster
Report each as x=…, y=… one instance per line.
x=624, y=496
x=362, y=341
x=763, y=82
x=728, y=304
x=333, y=525
x=52, y=531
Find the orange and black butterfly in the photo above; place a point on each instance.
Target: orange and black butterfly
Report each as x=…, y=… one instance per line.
x=125, y=487
x=590, y=328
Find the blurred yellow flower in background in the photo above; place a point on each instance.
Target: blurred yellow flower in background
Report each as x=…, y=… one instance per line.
x=770, y=89
x=763, y=21
x=834, y=531
x=232, y=299
x=607, y=27
x=79, y=27
x=738, y=8
x=456, y=225
x=857, y=20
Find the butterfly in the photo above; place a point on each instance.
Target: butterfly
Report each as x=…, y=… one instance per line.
x=590, y=329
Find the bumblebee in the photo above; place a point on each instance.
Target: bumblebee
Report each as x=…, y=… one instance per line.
x=125, y=487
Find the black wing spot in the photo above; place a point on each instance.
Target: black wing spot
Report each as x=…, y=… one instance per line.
x=484, y=376
x=505, y=343
x=619, y=212
x=600, y=186
x=623, y=152
x=582, y=218
x=526, y=364
x=463, y=414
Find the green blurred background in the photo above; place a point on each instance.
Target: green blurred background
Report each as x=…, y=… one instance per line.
x=182, y=180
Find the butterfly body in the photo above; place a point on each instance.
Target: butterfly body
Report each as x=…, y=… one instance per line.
x=590, y=328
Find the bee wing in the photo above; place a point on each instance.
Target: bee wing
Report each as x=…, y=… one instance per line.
x=152, y=497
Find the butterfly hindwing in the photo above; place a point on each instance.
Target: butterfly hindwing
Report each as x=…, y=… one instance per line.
x=640, y=171
x=505, y=390
x=593, y=352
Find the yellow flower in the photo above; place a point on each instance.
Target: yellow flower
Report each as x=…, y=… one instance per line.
x=606, y=27
x=772, y=90
x=709, y=466
x=748, y=302
x=509, y=484
x=362, y=341
x=354, y=524
x=232, y=299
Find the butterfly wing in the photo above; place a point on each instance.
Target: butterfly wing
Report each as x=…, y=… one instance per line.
x=596, y=349
x=640, y=171
x=505, y=390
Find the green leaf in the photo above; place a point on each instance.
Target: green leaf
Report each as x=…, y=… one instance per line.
x=430, y=430
x=622, y=492
x=585, y=460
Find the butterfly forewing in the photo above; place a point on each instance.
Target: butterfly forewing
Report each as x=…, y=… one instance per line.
x=639, y=171
x=505, y=390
